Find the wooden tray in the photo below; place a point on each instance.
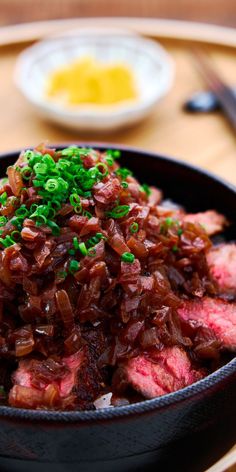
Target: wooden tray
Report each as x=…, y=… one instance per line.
x=204, y=140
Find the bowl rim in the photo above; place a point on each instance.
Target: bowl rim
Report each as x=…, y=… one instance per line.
x=155, y=50
x=145, y=406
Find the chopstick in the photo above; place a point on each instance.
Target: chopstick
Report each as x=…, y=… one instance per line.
x=222, y=91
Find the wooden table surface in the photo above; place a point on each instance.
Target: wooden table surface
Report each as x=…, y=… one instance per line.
x=204, y=140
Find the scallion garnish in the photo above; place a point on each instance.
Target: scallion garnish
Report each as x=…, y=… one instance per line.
x=16, y=236
x=115, y=153
x=128, y=257
x=123, y=173
x=119, y=211
x=134, y=227
x=74, y=199
x=76, y=243
x=92, y=252
x=3, y=220
x=54, y=227
x=169, y=221
x=83, y=249
x=175, y=248
x=110, y=160
x=22, y=211
x=145, y=188
x=26, y=172
x=7, y=241
x=52, y=185
x=3, y=198
x=102, y=168
x=74, y=266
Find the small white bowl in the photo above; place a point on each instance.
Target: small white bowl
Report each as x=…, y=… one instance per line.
x=153, y=71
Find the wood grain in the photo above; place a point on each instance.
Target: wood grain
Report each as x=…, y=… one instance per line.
x=204, y=140
x=152, y=27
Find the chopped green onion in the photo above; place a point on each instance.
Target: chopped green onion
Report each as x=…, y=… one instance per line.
x=134, y=227
x=15, y=235
x=37, y=183
x=7, y=241
x=28, y=154
x=92, y=252
x=71, y=252
x=93, y=172
x=52, y=185
x=76, y=243
x=95, y=239
x=83, y=249
x=3, y=198
x=33, y=208
x=115, y=153
x=123, y=173
x=56, y=203
x=22, y=211
x=17, y=222
x=169, y=221
x=102, y=167
x=179, y=232
x=51, y=212
x=145, y=188
x=74, y=266
x=87, y=213
x=175, y=248
x=3, y=220
x=119, y=211
x=54, y=227
x=110, y=160
x=40, y=219
x=124, y=184
x=74, y=199
x=128, y=257
x=40, y=168
x=78, y=208
x=26, y=172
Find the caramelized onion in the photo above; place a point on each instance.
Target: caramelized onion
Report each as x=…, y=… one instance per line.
x=74, y=309
x=15, y=180
x=65, y=308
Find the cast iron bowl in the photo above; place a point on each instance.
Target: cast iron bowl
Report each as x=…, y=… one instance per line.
x=154, y=432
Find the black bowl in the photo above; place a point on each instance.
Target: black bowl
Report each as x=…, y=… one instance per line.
x=187, y=429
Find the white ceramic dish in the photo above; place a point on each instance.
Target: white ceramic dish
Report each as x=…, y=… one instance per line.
x=152, y=66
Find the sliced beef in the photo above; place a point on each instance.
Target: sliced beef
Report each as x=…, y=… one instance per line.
x=216, y=314
x=169, y=370
x=222, y=262
x=212, y=221
x=37, y=386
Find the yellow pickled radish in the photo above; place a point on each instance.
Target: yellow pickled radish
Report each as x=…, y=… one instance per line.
x=88, y=81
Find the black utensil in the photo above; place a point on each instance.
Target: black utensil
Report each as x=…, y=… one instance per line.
x=203, y=102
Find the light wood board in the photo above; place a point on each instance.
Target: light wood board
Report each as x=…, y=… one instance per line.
x=205, y=140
